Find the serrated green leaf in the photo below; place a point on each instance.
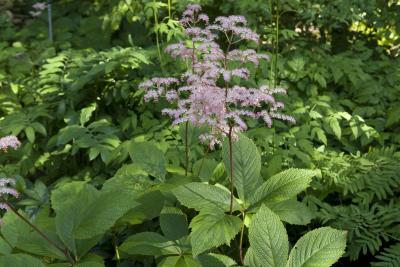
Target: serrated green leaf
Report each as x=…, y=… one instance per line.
x=284, y=185
x=201, y=196
x=215, y=260
x=293, y=212
x=148, y=243
x=150, y=158
x=246, y=166
x=173, y=223
x=321, y=247
x=250, y=260
x=89, y=213
x=211, y=229
x=268, y=238
x=20, y=260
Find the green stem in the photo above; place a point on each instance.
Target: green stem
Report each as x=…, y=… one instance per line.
x=169, y=9
x=231, y=167
x=43, y=235
x=241, y=240
x=276, y=43
x=186, y=148
x=157, y=37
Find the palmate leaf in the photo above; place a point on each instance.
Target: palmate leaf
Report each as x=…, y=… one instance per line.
x=246, y=166
x=201, y=196
x=212, y=229
x=284, y=185
x=268, y=238
x=321, y=247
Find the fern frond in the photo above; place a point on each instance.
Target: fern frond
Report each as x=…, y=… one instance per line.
x=390, y=257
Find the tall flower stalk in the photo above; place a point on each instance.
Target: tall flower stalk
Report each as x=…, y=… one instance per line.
x=210, y=93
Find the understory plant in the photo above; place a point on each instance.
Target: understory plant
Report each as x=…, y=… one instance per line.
x=212, y=94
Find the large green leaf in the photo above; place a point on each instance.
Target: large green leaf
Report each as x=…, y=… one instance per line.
x=284, y=185
x=251, y=260
x=148, y=243
x=5, y=248
x=20, y=260
x=89, y=213
x=173, y=223
x=69, y=133
x=293, y=212
x=179, y=261
x=201, y=196
x=215, y=260
x=212, y=229
x=321, y=247
x=22, y=236
x=246, y=166
x=268, y=238
x=150, y=158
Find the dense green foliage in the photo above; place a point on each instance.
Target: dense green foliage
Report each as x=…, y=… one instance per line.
x=102, y=172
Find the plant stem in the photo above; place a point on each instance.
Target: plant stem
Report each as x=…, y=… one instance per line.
x=50, y=22
x=186, y=148
x=231, y=166
x=157, y=38
x=276, y=43
x=169, y=9
x=63, y=250
x=241, y=241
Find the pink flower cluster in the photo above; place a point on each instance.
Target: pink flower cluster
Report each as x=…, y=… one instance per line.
x=38, y=9
x=9, y=141
x=209, y=94
x=7, y=190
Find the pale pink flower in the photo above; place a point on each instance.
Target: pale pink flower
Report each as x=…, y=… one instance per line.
x=9, y=141
x=206, y=93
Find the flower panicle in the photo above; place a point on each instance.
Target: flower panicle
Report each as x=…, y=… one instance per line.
x=207, y=93
x=9, y=141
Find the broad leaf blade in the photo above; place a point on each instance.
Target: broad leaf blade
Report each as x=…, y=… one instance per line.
x=293, y=212
x=321, y=247
x=210, y=229
x=150, y=158
x=268, y=238
x=246, y=166
x=215, y=260
x=89, y=213
x=201, y=196
x=20, y=260
x=148, y=243
x=284, y=185
x=173, y=223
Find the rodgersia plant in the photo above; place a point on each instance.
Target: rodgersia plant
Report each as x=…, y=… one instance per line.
x=209, y=93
